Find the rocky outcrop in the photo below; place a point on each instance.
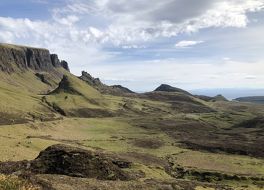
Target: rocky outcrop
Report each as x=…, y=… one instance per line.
x=96, y=83
x=20, y=58
x=122, y=89
x=168, y=88
x=65, y=86
x=55, y=60
x=71, y=161
x=65, y=65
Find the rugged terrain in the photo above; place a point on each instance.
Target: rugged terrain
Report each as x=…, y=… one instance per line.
x=60, y=131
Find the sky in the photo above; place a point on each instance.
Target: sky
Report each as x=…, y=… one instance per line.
x=190, y=44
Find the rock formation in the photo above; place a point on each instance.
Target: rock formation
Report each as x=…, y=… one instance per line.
x=96, y=83
x=65, y=65
x=14, y=58
x=121, y=88
x=71, y=161
x=65, y=86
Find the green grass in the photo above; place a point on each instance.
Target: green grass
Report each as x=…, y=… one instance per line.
x=118, y=135
x=115, y=135
x=14, y=183
x=232, y=164
x=19, y=100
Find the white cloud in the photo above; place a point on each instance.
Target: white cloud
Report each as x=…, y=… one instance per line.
x=130, y=22
x=145, y=20
x=226, y=58
x=81, y=30
x=184, y=44
x=68, y=20
x=133, y=47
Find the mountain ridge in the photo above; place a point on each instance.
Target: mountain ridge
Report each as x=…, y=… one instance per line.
x=160, y=137
x=96, y=83
x=168, y=88
x=14, y=58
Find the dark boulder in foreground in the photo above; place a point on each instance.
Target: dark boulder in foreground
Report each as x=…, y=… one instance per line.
x=71, y=161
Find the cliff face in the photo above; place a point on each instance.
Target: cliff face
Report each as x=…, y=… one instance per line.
x=23, y=58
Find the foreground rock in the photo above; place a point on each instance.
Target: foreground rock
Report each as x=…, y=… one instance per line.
x=70, y=161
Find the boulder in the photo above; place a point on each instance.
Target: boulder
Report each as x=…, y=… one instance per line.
x=71, y=161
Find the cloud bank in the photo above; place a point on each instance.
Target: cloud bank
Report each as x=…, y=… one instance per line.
x=91, y=33
x=183, y=44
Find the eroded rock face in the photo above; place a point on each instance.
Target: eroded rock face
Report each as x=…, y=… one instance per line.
x=71, y=161
x=13, y=58
x=95, y=82
x=65, y=65
x=55, y=60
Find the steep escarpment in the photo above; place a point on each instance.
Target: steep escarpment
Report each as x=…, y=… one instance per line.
x=26, y=73
x=20, y=58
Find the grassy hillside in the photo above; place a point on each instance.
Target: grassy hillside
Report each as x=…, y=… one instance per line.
x=20, y=98
x=174, y=140
x=73, y=95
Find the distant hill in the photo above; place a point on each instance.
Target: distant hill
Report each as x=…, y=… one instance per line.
x=121, y=88
x=212, y=99
x=168, y=88
x=116, y=139
x=252, y=99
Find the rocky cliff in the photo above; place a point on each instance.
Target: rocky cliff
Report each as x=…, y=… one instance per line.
x=14, y=58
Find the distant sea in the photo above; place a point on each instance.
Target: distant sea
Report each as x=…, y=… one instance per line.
x=229, y=93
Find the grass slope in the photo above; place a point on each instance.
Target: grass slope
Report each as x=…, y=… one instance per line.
x=151, y=130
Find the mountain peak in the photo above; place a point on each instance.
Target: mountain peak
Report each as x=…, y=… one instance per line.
x=95, y=82
x=168, y=88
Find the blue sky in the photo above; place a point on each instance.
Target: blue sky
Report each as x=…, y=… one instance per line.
x=191, y=44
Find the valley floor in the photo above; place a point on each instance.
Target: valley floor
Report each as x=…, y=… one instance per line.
x=155, y=153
